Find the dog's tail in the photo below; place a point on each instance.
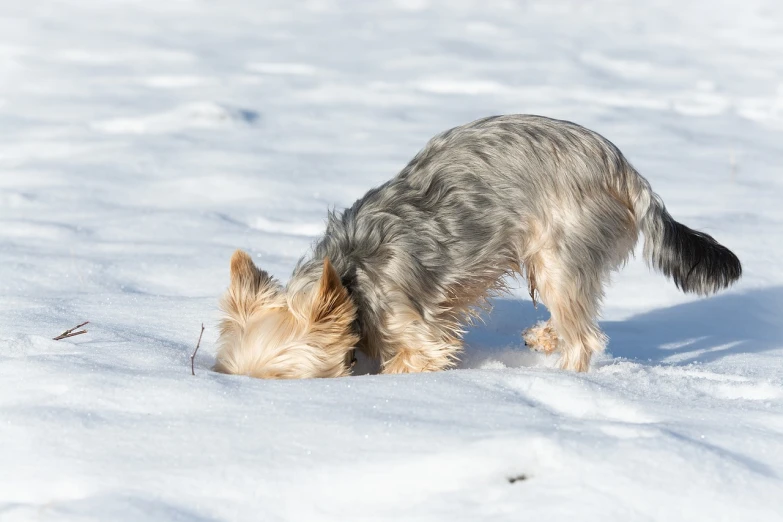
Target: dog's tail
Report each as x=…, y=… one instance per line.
x=693, y=260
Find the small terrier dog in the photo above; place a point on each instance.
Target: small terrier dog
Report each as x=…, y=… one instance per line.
x=400, y=273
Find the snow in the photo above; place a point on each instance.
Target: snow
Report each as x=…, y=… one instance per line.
x=142, y=142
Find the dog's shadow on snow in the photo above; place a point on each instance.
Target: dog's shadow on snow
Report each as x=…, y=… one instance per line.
x=699, y=331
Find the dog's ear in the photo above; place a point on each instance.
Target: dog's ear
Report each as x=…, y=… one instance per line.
x=249, y=290
x=245, y=274
x=331, y=299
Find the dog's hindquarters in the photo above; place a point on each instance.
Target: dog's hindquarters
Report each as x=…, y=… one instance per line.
x=569, y=267
x=574, y=259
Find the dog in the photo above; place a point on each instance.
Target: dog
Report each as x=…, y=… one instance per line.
x=401, y=273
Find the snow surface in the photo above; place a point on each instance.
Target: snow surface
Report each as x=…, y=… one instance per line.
x=142, y=142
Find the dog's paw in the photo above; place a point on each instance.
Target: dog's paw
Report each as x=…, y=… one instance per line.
x=542, y=338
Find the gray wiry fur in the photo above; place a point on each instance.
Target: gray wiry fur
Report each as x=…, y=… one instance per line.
x=517, y=194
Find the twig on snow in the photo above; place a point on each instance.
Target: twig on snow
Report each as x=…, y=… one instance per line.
x=71, y=332
x=193, y=357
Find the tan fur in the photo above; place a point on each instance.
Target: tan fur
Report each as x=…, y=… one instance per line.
x=409, y=343
x=266, y=335
x=542, y=337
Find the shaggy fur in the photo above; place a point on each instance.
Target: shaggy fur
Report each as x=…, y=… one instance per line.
x=400, y=273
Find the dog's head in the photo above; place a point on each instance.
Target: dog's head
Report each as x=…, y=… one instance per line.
x=273, y=333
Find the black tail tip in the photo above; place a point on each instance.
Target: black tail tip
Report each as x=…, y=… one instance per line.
x=699, y=264
x=711, y=273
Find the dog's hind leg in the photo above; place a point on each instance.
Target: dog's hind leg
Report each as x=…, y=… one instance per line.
x=571, y=265
x=571, y=260
x=573, y=298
